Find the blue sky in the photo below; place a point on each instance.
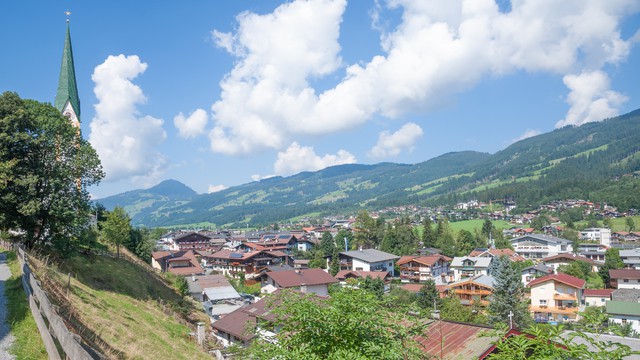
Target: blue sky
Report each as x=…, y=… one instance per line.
x=221, y=93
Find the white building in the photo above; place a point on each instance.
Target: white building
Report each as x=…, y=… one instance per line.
x=601, y=235
x=631, y=258
x=538, y=246
x=467, y=266
x=368, y=260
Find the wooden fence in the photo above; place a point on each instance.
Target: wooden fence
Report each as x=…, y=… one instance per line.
x=58, y=340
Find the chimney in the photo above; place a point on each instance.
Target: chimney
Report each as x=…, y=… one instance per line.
x=360, y=248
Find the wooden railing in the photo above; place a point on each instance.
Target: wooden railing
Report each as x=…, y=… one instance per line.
x=58, y=340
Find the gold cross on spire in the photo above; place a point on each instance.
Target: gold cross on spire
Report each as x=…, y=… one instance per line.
x=68, y=13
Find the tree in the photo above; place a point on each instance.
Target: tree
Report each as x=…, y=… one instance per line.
x=46, y=167
x=579, y=269
x=327, y=243
x=631, y=224
x=487, y=227
x=452, y=309
x=351, y=324
x=117, y=228
x=369, y=231
x=374, y=286
x=428, y=296
x=508, y=297
x=334, y=266
x=428, y=235
x=612, y=260
x=318, y=260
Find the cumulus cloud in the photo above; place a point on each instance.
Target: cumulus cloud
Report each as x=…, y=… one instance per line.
x=303, y=158
x=438, y=49
x=193, y=125
x=590, y=98
x=527, y=134
x=216, y=188
x=390, y=145
x=125, y=140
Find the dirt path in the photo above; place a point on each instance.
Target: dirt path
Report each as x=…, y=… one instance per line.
x=6, y=338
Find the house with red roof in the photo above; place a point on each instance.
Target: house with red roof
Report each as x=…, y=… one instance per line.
x=624, y=278
x=596, y=297
x=416, y=268
x=481, y=252
x=344, y=275
x=314, y=281
x=190, y=241
x=181, y=263
x=232, y=262
x=556, y=297
x=567, y=258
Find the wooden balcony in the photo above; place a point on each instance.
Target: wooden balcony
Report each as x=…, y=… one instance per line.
x=472, y=291
x=564, y=297
x=554, y=310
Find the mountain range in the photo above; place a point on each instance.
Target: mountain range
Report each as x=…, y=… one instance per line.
x=599, y=161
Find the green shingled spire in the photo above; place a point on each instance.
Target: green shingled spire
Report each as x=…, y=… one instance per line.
x=67, y=88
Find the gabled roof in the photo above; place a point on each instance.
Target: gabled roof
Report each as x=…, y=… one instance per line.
x=428, y=260
x=512, y=255
x=166, y=257
x=67, y=87
x=370, y=255
x=295, y=278
x=546, y=238
x=624, y=274
x=453, y=340
x=568, y=257
x=343, y=274
x=598, y=292
x=560, y=277
x=191, y=236
x=540, y=268
x=479, y=262
x=484, y=280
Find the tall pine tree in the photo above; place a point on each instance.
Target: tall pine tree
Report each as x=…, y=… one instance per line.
x=508, y=296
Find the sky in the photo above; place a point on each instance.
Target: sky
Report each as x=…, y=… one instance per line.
x=221, y=93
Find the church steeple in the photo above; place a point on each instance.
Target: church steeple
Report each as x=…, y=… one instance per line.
x=67, y=100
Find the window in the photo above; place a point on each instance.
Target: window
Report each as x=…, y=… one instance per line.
x=543, y=302
x=624, y=321
x=625, y=280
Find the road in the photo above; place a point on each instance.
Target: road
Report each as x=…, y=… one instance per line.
x=6, y=338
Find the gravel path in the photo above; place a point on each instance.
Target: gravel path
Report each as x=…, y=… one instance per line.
x=6, y=338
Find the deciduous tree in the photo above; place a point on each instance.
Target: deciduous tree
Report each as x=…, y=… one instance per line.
x=117, y=228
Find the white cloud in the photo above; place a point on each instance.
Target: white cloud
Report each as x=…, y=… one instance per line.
x=527, y=134
x=216, y=188
x=303, y=158
x=193, y=125
x=390, y=145
x=590, y=98
x=125, y=141
x=258, y=177
x=439, y=48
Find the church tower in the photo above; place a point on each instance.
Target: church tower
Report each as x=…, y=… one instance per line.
x=67, y=100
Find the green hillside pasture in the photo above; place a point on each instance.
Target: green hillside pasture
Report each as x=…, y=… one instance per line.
x=469, y=225
x=123, y=310
x=620, y=224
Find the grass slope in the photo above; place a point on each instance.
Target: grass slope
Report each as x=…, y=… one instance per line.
x=122, y=309
x=27, y=343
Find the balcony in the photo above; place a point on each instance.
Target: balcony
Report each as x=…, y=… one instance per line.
x=554, y=310
x=564, y=297
x=472, y=291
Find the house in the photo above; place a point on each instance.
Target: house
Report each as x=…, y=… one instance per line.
x=415, y=288
x=466, y=266
x=537, y=246
x=631, y=258
x=416, y=268
x=281, y=242
x=534, y=272
x=242, y=325
x=477, y=289
x=190, y=241
x=592, y=251
x=512, y=255
x=231, y=262
x=198, y=283
x=305, y=243
x=600, y=235
x=315, y=281
x=556, y=261
x=596, y=297
x=625, y=312
x=367, y=260
x=624, y=278
x=625, y=236
x=344, y=275
x=181, y=263
x=555, y=297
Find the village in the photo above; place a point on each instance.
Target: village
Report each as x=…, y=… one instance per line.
x=231, y=273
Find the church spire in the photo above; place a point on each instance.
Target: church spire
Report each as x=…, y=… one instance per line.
x=67, y=100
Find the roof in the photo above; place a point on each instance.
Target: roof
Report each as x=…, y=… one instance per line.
x=206, y=281
x=453, y=340
x=633, y=343
x=221, y=293
x=428, y=260
x=624, y=274
x=598, y=292
x=343, y=274
x=560, y=277
x=546, y=238
x=370, y=255
x=295, y=278
x=513, y=256
x=540, y=268
x=484, y=280
x=165, y=257
x=478, y=261
x=567, y=256
x=67, y=87
x=414, y=288
x=623, y=308
x=626, y=295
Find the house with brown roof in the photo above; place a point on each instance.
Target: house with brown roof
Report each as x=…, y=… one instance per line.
x=567, y=258
x=232, y=262
x=240, y=326
x=445, y=339
x=556, y=297
x=306, y=280
x=512, y=255
x=596, y=297
x=474, y=290
x=344, y=275
x=190, y=241
x=624, y=278
x=181, y=263
x=416, y=268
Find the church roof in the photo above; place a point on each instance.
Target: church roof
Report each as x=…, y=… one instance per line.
x=67, y=88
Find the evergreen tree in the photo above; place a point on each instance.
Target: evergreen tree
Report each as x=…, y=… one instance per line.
x=428, y=296
x=428, y=234
x=612, y=260
x=334, y=267
x=487, y=227
x=508, y=297
x=327, y=243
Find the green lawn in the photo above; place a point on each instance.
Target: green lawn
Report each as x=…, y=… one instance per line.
x=27, y=344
